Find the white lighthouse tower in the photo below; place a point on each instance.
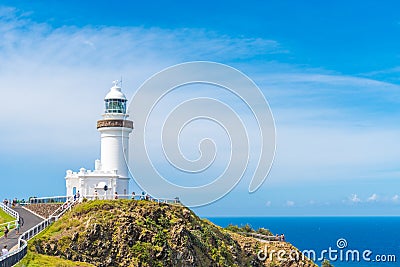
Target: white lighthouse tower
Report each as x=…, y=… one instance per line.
x=111, y=172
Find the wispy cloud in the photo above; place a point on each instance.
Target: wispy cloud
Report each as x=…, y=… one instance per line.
x=373, y=198
x=328, y=124
x=290, y=203
x=60, y=75
x=354, y=198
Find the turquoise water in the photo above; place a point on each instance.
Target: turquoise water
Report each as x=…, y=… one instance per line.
x=380, y=235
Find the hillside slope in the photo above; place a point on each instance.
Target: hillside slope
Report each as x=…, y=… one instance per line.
x=143, y=233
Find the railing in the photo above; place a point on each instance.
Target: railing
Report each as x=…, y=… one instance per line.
x=56, y=199
x=12, y=213
x=174, y=201
x=15, y=256
x=64, y=207
x=260, y=236
x=109, y=196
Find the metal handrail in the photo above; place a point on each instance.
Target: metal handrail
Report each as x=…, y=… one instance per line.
x=63, y=207
x=55, y=199
x=170, y=201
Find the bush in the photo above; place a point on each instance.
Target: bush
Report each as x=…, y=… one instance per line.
x=326, y=263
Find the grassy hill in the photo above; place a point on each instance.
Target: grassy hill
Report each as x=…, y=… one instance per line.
x=143, y=233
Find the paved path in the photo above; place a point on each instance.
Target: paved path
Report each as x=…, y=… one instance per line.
x=30, y=220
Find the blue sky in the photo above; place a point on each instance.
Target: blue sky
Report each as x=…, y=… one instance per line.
x=330, y=72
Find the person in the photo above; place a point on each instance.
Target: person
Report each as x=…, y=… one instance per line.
x=77, y=196
x=283, y=238
x=116, y=195
x=133, y=195
x=4, y=251
x=277, y=237
x=21, y=221
x=6, y=230
x=17, y=227
x=96, y=195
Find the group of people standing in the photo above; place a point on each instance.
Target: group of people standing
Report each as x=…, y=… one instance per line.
x=280, y=237
x=9, y=203
x=143, y=196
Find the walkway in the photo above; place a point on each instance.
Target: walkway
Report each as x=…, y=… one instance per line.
x=30, y=220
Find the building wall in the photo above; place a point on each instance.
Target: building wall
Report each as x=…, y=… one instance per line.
x=88, y=183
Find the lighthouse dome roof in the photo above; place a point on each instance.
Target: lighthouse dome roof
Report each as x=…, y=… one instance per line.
x=115, y=93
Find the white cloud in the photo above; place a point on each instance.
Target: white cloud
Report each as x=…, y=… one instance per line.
x=290, y=203
x=59, y=76
x=373, y=198
x=395, y=198
x=355, y=199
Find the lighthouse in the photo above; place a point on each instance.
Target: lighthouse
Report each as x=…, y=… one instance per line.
x=111, y=174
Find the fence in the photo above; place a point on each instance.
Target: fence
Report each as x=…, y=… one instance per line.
x=15, y=256
x=56, y=199
x=261, y=236
x=12, y=213
x=174, y=201
x=110, y=196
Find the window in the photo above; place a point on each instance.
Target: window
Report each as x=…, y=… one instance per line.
x=115, y=106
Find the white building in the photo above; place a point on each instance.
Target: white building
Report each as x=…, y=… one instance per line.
x=112, y=170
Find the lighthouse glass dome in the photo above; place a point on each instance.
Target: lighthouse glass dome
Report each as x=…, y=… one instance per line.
x=115, y=106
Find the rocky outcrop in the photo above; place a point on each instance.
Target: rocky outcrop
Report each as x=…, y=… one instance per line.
x=143, y=233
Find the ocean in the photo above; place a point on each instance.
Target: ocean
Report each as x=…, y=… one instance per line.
x=353, y=241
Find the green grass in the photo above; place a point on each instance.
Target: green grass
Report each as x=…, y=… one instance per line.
x=33, y=259
x=38, y=260
x=4, y=217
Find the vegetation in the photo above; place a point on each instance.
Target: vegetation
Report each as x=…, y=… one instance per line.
x=38, y=260
x=248, y=229
x=4, y=218
x=143, y=233
x=326, y=263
